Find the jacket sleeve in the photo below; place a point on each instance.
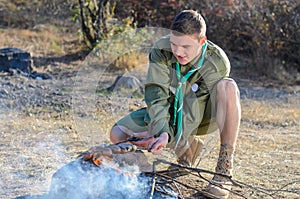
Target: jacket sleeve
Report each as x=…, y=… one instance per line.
x=157, y=93
x=218, y=61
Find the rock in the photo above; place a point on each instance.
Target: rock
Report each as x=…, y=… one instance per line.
x=3, y=92
x=127, y=84
x=39, y=76
x=18, y=62
x=14, y=58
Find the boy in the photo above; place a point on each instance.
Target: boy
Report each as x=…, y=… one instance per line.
x=188, y=92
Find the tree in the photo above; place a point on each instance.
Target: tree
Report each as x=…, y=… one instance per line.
x=94, y=17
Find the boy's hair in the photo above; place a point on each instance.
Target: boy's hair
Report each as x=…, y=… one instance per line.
x=189, y=22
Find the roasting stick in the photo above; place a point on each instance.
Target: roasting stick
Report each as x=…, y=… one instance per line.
x=130, y=139
x=133, y=139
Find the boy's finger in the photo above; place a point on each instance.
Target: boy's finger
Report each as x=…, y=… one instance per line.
x=143, y=134
x=154, y=145
x=144, y=142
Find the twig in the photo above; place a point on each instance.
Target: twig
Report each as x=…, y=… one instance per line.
x=153, y=180
x=181, y=183
x=191, y=170
x=178, y=190
x=197, y=170
x=282, y=188
x=266, y=190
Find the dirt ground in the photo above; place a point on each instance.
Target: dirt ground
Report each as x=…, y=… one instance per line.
x=46, y=123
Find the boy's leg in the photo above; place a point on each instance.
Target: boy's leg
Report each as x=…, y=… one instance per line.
x=228, y=111
x=119, y=133
x=190, y=155
x=228, y=117
x=125, y=127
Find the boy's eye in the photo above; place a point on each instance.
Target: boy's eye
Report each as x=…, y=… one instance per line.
x=186, y=47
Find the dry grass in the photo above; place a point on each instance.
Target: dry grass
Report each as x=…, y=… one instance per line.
x=42, y=41
x=278, y=113
x=131, y=61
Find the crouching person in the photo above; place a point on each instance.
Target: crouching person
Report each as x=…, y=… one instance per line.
x=188, y=92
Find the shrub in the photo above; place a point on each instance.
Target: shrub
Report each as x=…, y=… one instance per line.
x=267, y=31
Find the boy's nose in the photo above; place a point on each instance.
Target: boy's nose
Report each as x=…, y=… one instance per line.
x=178, y=52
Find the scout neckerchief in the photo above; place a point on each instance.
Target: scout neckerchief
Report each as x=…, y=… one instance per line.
x=178, y=103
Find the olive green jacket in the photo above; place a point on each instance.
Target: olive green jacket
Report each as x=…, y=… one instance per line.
x=162, y=82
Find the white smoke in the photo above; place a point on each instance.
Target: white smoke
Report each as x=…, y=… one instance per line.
x=1, y=185
x=83, y=180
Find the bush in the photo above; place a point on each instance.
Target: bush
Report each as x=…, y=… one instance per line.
x=267, y=31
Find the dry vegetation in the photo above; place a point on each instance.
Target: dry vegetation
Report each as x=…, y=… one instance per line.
x=50, y=42
x=36, y=141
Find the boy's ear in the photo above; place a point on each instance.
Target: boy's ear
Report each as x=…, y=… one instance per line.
x=202, y=40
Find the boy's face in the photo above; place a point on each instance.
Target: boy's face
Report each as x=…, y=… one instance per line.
x=186, y=47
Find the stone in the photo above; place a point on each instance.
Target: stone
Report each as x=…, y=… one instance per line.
x=126, y=83
x=15, y=58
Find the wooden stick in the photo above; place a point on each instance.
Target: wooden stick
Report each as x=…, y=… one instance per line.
x=190, y=170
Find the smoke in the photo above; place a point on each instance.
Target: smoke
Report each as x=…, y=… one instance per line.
x=1, y=185
x=83, y=180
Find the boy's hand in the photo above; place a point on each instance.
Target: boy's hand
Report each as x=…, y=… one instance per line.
x=144, y=143
x=154, y=145
x=157, y=144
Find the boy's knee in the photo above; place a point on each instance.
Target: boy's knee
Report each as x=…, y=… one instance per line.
x=117, y=134
x=228, y=88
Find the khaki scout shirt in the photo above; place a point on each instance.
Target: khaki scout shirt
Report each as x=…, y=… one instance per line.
x=162, y=82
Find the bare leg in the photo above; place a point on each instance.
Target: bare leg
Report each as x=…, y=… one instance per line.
x=228, y=111
x=119, y=133
x=228, y=120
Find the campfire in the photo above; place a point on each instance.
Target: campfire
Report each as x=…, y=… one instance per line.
x=109, y=171
x=122, y=171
